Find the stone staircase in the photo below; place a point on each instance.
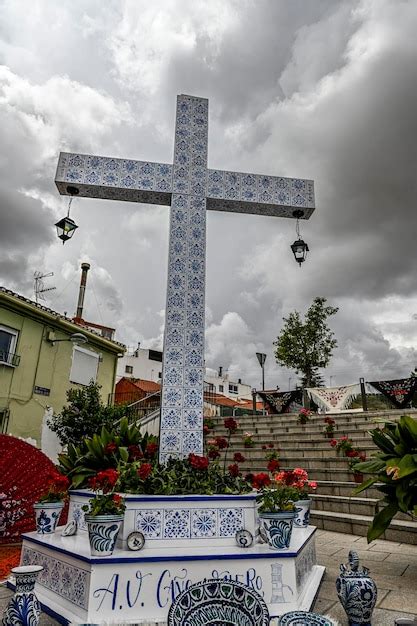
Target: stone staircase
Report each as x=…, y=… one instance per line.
x=334, y=508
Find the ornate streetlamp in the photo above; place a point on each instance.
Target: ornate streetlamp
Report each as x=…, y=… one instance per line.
x=299, y=247
x=66, y=227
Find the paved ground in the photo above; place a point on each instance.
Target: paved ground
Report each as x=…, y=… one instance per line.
x=392, y=565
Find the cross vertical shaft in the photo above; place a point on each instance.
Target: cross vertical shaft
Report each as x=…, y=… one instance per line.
x=181, y=425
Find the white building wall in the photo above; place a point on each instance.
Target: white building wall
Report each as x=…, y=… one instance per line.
x=143, y=364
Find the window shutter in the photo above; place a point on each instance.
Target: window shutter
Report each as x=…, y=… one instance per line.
x=84, y=366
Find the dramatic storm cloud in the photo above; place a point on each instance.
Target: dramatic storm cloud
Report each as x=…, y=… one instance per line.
x=324, y=90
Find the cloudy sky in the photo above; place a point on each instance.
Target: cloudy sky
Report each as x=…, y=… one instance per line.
x=321, y=89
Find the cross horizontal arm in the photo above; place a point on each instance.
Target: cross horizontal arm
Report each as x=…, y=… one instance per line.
x=141, y=181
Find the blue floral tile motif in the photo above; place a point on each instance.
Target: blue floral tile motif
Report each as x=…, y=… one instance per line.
x=195, y=338
x=176, y=317
x=172, y=396
x=170, y=419
x=174, y=355
x=175, y=337
x=176, y=300
x=195, y=319
x=67, y=580
x=230, y=521
x=78, y=515
x=193, y=398
x=203, y=523
x=193, y=419
x=298, y=200
x=92, y=177
x=76, y=160
x=177, y=524
x=192, y=442
x=170, y=441
x=173, y=376
x=194, y=357
x=193, y=376
x=149, y=522
x=74, y=175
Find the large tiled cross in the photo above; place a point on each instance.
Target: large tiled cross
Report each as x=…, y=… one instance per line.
x=190, y=188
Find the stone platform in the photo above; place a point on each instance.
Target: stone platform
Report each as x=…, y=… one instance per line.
x=132, y=586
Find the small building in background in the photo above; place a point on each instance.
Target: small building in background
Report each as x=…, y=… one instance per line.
x=146, y=364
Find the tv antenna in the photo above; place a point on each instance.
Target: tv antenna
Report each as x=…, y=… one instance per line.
x=39, y=287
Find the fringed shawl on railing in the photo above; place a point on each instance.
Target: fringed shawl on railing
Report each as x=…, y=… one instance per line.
x=280, y=401
x=399, y=391
x=333, y=398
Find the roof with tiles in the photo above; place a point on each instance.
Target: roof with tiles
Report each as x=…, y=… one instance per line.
x=56, y=315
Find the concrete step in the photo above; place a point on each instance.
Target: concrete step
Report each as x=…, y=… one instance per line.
x=343, y=504
x=399, y=530
x=317, y=452
x=340, y=488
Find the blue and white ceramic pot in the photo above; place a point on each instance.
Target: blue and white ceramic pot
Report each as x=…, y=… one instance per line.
x=24, y=608
x=302, y=510
x=47, y=515
x=102, y=533
x=357, y=591
x=277, y=527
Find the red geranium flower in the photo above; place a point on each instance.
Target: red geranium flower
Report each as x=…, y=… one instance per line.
x=206, y=429
x=213, y=453
x=264, y=447
x=104, y=480
x=333, y=443
x=238, y=457
x=351, y=453
x=117, y=498
x=151, y=449
x=144, y=471
x=273, y=465
x=110, y=448
x=198, y=462
x=234, y=470
x=230, y=424
x=270, y=444
x=221, y=443
x=134, y=452
x=260, y=480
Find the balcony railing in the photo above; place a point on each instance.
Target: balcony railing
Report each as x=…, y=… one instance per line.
x=9, y=358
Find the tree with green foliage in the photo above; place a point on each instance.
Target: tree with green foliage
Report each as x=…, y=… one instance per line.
x=307, y=345
x=84, y=416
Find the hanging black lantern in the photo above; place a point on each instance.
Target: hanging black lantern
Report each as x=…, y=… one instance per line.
x=299, y=247
x=66, y=227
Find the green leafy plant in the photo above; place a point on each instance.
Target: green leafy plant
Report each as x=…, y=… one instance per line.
x=394, y=467
x=307, y=346
x=84, y=415
x=277, y=497
x=248, y=441
x=106, y=450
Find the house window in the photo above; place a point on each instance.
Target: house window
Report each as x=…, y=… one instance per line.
x=84, y=366
x=129, y=369
x=8, y=341
x=232, y=388
x=221, y=388
x=4, y=420
x=155, y=355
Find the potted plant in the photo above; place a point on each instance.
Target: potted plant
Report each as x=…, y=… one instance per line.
x=248, y=440
x=394, y=466
x=344, y=444
x=104, y=514
x=276, y=512
x=355, y=457
x=304, y=416
x=48, y=508
x=329, y=428
x=298, y=479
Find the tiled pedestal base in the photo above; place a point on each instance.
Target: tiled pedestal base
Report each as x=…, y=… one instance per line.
x=132, y=586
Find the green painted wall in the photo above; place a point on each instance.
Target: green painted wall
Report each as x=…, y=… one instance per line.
x=44, y=364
